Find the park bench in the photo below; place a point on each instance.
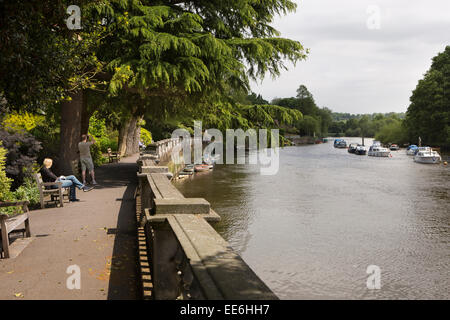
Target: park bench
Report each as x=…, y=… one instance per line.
x=56, y=194
x=113, y=156
x=9, y=224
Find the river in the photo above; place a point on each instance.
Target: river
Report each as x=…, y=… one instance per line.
x=311, y=230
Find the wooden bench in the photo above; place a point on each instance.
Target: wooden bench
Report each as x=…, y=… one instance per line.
x=113, y=156
x=9, y=224
x=54, y=193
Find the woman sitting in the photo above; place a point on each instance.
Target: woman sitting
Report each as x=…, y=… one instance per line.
x=67, y=182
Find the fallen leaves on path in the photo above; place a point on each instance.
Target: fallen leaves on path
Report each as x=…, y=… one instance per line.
x=18, y=295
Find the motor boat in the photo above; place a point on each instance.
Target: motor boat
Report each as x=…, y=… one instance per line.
x=360, y=150
x=201, y=167
x=427, y=156
x=394, y=147
x=411, y=150
x=189, y=168
x=340, y=143
x=336, y=141
x=352, y=147
x=376, y=150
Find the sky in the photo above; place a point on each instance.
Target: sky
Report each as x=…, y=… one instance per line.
x=365, y=56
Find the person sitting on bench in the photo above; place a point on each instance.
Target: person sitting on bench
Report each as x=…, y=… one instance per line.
x=67, y=182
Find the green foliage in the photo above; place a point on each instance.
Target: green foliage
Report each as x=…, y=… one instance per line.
x=22, y=121
x=393, y=132
x=97, y=156
x=146, y=136
x=318, y=119
x=97, y=126
x=177, y=52
x=43, y=60
x=5, y=182
x=105, y=137
x=28, y=191
x=428, y=115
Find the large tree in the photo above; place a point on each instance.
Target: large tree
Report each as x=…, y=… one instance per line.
x=428, y=115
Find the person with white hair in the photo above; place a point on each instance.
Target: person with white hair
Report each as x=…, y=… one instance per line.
x=67, y=182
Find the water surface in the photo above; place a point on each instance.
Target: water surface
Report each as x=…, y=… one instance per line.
x=311, y=231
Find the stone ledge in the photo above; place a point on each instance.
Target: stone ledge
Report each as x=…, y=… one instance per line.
x=182, y=206
x=153, y=169
x=211, y=217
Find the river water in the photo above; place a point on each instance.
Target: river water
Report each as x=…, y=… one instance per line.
x=311, y=230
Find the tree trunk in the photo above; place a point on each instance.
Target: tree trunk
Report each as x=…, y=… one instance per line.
x=70, y=131
x=131, y=135
x=123, y=135
x=137, y=135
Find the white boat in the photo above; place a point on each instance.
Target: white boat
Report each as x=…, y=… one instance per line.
x=427, y=156
x=361, y=150
x=376, y=150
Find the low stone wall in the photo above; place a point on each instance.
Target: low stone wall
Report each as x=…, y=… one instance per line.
x=187, y=258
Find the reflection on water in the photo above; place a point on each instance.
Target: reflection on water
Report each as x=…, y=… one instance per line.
x=311, y=230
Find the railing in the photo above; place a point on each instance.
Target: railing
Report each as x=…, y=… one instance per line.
x=161, y=148
x=188, y=258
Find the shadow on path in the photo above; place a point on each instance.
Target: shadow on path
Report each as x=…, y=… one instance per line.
x=123, y=281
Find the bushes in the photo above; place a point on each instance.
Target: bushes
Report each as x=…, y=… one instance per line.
x=5, y=182
x=22, y=150
x=146, y=136
x=97, y=156
x=22, y=121
x=28, y=191
x=105, y=138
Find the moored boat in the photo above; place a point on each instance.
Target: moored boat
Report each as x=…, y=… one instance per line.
x=340, y=143
x=427, y=156
x=352, y=147
x=360, y=150
x=201, y=167
x=394, y=147
x=189, y=168
x=376, y=150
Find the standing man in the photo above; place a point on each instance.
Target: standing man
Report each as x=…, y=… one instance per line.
x=85, y=157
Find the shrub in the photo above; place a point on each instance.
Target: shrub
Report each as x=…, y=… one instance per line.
x=97, y=127
x=146, y=136
x=97, y=156
x=106, y=142
x=28, y=192
x=5, y=182
x=22, y=121
x=22, y=150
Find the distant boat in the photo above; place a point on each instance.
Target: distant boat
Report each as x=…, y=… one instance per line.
x=340, y=143
x=352, y=147
x=394, y=147
x=427, y=156
x=376, y=150
x=412, y=150
x=189, y=168
x=201, y=167
x=360, y=150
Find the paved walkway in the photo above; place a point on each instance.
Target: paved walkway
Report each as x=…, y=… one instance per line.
x=98, y=234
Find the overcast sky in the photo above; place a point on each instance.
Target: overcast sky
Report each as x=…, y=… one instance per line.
x=357, y=63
